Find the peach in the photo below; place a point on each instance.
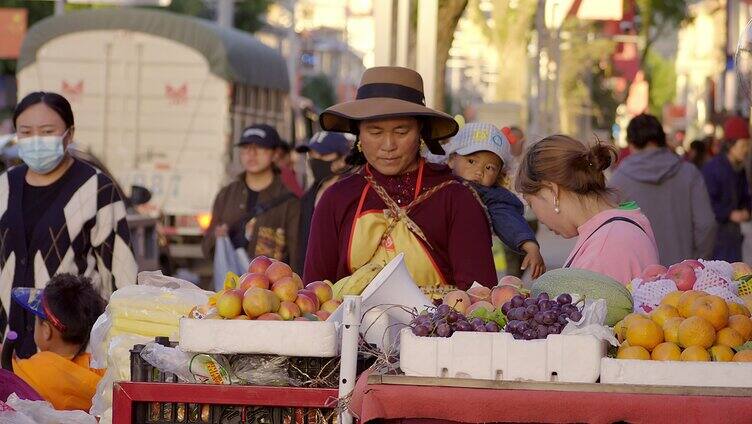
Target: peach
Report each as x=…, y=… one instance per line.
x=286, y=289
x=257, y=302
x=510, y=280
x=503, y=294
x=271, y=316
x=653, y=271
x=242, y=317
x=249, y=280
x=274, y=301
x=683, y=275
x=323, y=315
x=278, y=271
x=458, y=300
x=298, y=280
x=322, y=290
x=230, y=303
x=259, y=264
x=330, y=306
x=478, y=294
x=288, y=310
x=480, y=305
x=301, y=319
x=308, y=303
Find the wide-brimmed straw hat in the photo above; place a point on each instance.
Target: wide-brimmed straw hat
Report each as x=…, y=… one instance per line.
x=390, y=92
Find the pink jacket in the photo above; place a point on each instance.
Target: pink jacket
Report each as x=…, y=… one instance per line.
x=619, y=249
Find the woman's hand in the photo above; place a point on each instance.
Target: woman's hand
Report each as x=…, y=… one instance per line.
x=533, y=259
x=739, y=216
x=221, y=230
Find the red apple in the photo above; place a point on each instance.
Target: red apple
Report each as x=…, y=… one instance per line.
x=230, y=303
x=683, y=275
x=271, y=316
x=652, y=271
x=478, y=294
x=510, y=280
x=248, y=281
x=323, y=315
x=257, y=302
x=259, y=264
x=694, y=263
x=286, y=289
x=322, y=290
x=278, y=271
x=503, y=294
x=308, y=303
x=288, y=311
x=331, y=306
x=301, y=319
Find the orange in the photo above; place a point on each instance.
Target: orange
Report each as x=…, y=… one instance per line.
x=747, y=298
x=645, y=333
x=743, y=356
x=713, y=309
x=695, y=331
x=721, y=353
x=671, y=329
x=686, y=300
x=742, y=325
x=738, y=309
x=620, y=329
x=729, y=337
x=622, y=346
x=695, y=353
x=662, y=313
x=672, y=299
x=633, y=317
x=633, y=352
x=666, y=351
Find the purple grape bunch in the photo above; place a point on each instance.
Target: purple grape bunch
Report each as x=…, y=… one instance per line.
x=536, y=318
x=444, y=321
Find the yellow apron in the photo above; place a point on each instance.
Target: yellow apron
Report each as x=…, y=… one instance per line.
x=380, y=235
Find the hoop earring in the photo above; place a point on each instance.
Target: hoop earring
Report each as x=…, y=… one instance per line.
x=357, y=146
x=556, y=205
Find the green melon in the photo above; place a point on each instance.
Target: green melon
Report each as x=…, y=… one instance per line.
x=589, y=284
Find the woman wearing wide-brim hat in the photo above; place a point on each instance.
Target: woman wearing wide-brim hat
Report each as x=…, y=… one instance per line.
x=396, y=202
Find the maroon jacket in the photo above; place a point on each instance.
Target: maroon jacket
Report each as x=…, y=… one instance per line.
x=452, y=220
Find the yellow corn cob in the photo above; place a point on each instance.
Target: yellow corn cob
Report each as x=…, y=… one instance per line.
x=357, y=282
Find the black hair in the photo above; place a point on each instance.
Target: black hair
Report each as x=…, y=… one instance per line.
x=75, y=302
x=54, y=101
x=644, y=129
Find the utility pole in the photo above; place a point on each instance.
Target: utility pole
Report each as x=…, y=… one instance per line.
x=226, y=13
x=428, y=21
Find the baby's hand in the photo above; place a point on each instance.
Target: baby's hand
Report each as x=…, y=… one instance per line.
x=533, y=259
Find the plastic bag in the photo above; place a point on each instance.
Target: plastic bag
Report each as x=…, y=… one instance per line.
x=591, y=323
x=41, y=412
x=13, y=417
x=228, y=259
x=262, y=370
x=117, y=360
x=188, y=367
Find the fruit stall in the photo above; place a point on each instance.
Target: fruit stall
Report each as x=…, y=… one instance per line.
x=575, y=346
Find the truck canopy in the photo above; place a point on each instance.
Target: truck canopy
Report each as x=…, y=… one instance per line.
x=232, y=55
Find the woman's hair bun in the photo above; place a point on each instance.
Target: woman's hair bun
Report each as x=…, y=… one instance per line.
x=601, y=156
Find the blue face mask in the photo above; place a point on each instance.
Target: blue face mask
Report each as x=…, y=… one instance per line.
x=42, y=153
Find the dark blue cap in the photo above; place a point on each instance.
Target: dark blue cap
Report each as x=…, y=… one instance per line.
x=261, y=135
x=325, y=142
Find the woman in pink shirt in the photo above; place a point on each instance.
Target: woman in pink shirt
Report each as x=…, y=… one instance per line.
x=562, y=180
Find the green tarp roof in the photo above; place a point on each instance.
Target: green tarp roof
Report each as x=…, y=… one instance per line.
x=233, y=55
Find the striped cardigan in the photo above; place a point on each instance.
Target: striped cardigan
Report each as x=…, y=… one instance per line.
x=83, y=232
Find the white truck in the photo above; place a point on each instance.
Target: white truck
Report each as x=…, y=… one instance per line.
x=160, y=99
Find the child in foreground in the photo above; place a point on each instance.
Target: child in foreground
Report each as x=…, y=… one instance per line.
x=479, y=154
x=65, y=312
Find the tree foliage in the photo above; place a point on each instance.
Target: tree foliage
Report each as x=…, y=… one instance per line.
x=657, y=17
x=319, y=89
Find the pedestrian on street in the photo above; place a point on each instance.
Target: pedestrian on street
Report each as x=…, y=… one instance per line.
x=563, y=181
x=727, y=185
x=256, y=211
x=326, y=159
x=283, y=160
x=670, y=191
x=58, y=214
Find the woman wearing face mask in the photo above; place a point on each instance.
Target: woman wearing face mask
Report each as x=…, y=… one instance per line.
x=326, y=159
x=57, y=215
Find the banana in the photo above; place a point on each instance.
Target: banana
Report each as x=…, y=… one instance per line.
x=358, y=281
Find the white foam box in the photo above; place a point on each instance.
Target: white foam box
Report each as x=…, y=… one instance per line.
x=498, y=356
x=676, y=373
x=287, y=338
